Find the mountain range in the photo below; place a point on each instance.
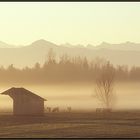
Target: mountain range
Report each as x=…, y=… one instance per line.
x=127, y=53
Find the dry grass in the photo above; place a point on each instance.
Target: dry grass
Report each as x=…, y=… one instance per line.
x=72, y=125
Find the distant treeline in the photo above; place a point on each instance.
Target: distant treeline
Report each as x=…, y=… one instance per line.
x=66, y=69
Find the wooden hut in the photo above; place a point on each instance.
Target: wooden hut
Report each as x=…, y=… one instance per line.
x=25, y=102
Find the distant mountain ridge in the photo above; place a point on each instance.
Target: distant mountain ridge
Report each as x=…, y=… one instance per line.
x=127, y=53
x=104, y=45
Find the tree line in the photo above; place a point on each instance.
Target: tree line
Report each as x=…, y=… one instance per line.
x=65, y=69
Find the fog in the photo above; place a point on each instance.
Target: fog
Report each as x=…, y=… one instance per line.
x=78, y=96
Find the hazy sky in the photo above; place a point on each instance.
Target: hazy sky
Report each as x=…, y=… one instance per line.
x=73, y=22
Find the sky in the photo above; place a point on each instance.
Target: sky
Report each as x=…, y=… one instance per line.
x=22, y=23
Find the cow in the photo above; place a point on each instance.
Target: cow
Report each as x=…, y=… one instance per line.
x=103, y=110
x=48, y=109
x=69, y=109
x=56, y=109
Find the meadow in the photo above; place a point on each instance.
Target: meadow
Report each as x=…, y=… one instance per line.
x=118, y=124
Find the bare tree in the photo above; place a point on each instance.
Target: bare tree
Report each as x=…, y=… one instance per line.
x=104, y=86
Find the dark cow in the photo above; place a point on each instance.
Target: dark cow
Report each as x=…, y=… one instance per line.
x=56, y=109
x=69, y=109
x=48, y=109
x=103, y=110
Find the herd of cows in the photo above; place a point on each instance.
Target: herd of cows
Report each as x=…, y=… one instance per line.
x=56, y=109
x=69, y=109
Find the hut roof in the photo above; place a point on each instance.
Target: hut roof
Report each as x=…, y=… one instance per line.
x=21, y=91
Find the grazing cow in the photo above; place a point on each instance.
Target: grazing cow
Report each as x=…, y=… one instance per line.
x=56, y=109
x=103, y=110
x=98, y=110
x=69, y=109
x=48, y=109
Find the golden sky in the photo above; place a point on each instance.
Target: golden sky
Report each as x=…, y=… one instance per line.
x=75, y=22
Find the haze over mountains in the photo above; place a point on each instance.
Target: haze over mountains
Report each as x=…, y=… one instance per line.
x=20, y=56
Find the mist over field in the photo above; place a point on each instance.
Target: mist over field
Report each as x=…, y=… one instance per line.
x=78, y=95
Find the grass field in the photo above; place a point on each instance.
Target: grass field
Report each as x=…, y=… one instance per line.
x=121, y=124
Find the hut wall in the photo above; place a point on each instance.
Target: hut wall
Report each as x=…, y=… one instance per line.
x=23, y=105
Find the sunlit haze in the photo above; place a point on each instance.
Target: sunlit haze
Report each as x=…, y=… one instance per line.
x=69, y=69
x=75, y=22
